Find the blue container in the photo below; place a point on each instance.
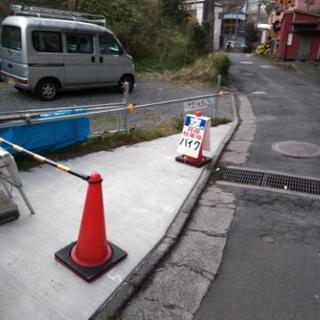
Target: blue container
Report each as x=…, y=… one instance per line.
x=49, y=136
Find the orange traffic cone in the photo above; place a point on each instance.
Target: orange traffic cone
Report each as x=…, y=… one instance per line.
x=200, y=160
x=92, y=255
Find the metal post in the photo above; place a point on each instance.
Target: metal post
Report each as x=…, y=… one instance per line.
x=219, y=82
x=259, y=12
x=236, y=31
x=126, y=102
x=217, y=97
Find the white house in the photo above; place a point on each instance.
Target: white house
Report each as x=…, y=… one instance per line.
x=255, y=9
x=196, y=8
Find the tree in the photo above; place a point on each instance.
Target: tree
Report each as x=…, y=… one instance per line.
x=71, y=4
x=251, y=34
x=268, y=8
x=174, y=10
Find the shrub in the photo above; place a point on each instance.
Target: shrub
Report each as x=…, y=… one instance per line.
x=205, y=69
x=221, y=63
x=263, y=49
x=159, y=34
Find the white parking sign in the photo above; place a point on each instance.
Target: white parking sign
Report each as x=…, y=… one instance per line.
x=195, y=134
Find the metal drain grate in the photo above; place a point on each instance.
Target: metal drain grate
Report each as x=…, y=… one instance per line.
x=293, y=183
x=242, y=176
x=271, y=180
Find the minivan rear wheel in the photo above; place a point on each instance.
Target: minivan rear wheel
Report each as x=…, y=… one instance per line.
x=47, y=89
x=126, y=78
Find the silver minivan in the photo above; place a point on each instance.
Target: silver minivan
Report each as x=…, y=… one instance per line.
x=46, y=55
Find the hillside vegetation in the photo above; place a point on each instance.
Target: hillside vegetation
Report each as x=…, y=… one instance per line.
x=159, y=34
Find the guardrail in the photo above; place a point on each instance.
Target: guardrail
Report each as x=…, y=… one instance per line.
x=118, y=116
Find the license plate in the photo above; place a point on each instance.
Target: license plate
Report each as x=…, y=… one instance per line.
x=12, y=81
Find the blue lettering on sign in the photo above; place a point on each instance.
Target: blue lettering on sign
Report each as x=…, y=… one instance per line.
x=193, y=121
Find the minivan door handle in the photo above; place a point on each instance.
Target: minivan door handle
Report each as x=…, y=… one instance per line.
x=101, y=59
x=93, y=59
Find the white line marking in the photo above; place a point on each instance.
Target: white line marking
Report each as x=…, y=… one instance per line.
x=266, y=66
x=258, y=92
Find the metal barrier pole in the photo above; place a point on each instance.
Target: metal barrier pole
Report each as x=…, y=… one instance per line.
x=45, y=160
x=217, y=98
x=219, y=82
x=31, y=112
x=126, y=102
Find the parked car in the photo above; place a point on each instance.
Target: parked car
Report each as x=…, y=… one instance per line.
x=51, y=54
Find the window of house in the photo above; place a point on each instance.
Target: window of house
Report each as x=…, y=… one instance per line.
x=11, y=37
x=79, y=43
x=47, y=41
x=109, y=45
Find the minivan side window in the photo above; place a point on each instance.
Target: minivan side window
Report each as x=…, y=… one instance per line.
x=47, y=41
x=11, y=37
x=109, y=45
x=79, y=43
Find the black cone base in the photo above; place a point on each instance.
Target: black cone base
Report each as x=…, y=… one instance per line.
x=199, y=164
x=92, y=273
x=8, y=216
x=8, y=209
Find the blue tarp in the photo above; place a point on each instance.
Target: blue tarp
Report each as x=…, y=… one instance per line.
x=49, y=136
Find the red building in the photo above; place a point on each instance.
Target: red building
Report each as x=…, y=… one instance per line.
x=295, y=30
x=299, y=36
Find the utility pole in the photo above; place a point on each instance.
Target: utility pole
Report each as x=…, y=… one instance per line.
x=208, y=17
x=71, y=5
x=246, y=7
x=259, y=12
x=237, y=27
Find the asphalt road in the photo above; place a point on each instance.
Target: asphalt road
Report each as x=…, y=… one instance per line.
x=270, y=269
x=271, y=261
x=286, y=107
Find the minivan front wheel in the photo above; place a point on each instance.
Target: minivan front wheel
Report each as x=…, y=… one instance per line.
x=126, y=78
x=47, y=89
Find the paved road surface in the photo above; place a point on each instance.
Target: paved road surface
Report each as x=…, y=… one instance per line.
x=287, y=107
x=272, y=257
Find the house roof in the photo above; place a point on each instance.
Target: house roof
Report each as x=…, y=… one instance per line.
x=235, y=15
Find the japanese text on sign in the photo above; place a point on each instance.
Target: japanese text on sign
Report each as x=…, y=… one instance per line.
x=192, y=135
x=198, y=104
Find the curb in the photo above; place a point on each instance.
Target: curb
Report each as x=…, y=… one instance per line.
x=134, y=281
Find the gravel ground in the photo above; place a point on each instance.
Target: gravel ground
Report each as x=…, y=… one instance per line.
x=148, y=89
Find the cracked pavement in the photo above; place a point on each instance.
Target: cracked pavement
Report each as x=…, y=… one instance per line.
x=177, y=286
x=270, y=268
x=268, y=240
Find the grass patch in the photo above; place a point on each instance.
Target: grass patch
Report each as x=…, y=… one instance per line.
x=106, y=143
x=270, y=57
x=219, y=121
x=287, y=66
x=111, y=141
x=203, y=70
x=217, y=173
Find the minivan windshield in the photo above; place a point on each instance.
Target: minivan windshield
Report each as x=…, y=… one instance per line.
x=11, y=37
